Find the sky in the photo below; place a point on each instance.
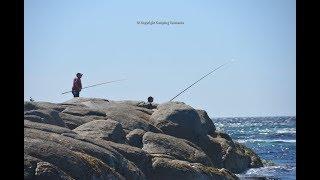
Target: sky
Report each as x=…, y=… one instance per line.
x=103, y=40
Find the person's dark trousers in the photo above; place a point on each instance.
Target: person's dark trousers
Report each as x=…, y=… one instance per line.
x=75, y=93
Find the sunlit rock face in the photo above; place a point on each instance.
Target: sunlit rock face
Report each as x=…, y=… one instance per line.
x=92, y=138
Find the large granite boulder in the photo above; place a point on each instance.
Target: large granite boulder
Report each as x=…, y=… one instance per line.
x=235, y=157
x=159, y=145
x=212, y=149
x=139, y=157
x=255, y=160
x=72, y=114
x=47, y=116
x=130, y=117
x=105, y=129
x=171, y=169
x=179, y=120
x=78, y=165
x=80, y=159
x=130, y=114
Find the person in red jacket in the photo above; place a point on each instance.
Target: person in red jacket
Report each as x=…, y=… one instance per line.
x=77, y=86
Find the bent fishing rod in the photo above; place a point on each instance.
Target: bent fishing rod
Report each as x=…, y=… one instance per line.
x=96, y=85
x=201, y=79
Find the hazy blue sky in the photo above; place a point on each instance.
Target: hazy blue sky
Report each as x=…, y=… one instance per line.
x=101, y=38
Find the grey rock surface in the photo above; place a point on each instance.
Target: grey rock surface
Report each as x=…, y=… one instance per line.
x=105, y=129
x=92, y=138
x=47, y=116
x=134, y=137
x=161, y=144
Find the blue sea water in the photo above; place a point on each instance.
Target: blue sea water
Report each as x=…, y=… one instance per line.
x=272, y=138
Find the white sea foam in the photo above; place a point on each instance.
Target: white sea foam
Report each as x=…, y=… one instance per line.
x=269, y=169
x=286, y=130
x=266, y=140
x=265, y=131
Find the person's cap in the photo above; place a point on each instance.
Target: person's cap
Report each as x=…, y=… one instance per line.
x=79, y=74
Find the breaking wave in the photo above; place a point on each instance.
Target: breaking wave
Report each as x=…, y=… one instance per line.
x=272, y=138
x=267, y=140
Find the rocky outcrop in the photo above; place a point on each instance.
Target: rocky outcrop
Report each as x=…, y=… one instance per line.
x=37, y=169
x=179, y=120
x=160, y=145
x=91, y=138
x=136, y=155
x=163, y=168
x=79, y=158
x=46, y=116
x=235, y=156
x=131, y=117
x=104, y=129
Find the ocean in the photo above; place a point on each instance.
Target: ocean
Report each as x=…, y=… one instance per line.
x=272, y=138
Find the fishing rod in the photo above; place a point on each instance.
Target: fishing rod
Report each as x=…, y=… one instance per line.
x=97, y=85
x=202, y=78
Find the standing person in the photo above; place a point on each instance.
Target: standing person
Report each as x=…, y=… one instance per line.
x=77, y=86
